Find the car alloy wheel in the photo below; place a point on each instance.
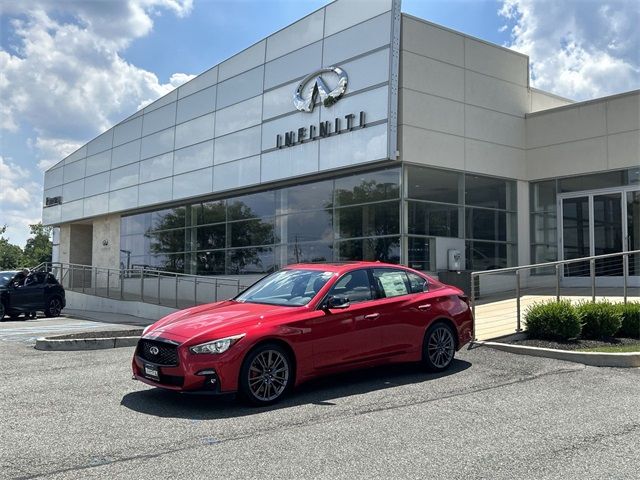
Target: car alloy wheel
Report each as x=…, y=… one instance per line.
x=439, y=347
x=53, y=308
x=266, y=375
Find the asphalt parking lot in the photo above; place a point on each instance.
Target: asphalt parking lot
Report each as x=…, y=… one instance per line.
x=495, y=415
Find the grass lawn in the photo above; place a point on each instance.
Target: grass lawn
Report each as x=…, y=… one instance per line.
x=614, y=348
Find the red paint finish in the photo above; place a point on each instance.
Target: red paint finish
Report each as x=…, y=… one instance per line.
x=321, y=340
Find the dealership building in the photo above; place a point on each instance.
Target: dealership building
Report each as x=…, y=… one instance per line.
x=356, y=133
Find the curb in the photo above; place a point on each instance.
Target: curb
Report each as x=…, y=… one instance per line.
x=594, y=359
x=59, y=343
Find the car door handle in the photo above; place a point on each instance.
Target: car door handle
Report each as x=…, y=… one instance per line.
x=426, y=306
x=371, y=316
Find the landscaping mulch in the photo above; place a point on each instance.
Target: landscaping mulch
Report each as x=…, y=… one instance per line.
x=570, y=345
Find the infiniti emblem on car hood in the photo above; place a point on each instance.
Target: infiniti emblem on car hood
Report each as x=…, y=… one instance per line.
x=154, y=350
x=315, y=85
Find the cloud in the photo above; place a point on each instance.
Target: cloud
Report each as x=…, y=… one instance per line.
x=19, y=199
x=578, y=49
x=64, y=75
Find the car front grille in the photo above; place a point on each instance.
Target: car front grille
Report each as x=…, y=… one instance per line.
x=166, y=355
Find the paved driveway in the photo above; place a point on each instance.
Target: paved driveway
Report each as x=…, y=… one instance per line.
x=495, y=415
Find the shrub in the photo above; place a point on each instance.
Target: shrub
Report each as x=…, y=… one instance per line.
x=599, y=319
x=553, y=320
x=630, y=313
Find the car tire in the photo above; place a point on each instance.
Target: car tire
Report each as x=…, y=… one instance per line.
x=2, y=311
x=266, y=375
x=54, y=307
x=14, y=316
x=439, y=347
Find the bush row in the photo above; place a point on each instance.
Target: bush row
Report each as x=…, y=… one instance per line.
x=590, y=320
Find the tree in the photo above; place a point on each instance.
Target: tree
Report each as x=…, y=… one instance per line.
x=10, y=255
x=38, y=248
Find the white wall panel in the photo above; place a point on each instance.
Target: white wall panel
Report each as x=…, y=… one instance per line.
x=238, y=116
x=125, y=154
x=341, y=15
x=492, y=159
x=623, y=113
x=51, y=215
x=571, y=158
x=495, y=94
x=195, y=131
x=432, y=41
x=356, y=40
x=354, y=147
x=496, y=61
x=367, y=71
x=432, y=148
x=53, y=178
x=432, y=113
x=243, y=61
x=293, y=65
x=127, y=131
x=193, y=158
x=375, y=104
x=295, y=36
x=279, y=101
x=624, y=149
x=193, y=183
x=236, y=174
x=237, y=145
x=566, y=124
x=289, y=162
x=431, y=76
x=483, y=124
x=240, y=87
x=196, y=105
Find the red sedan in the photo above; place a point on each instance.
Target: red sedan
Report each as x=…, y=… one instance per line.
x=302, y=322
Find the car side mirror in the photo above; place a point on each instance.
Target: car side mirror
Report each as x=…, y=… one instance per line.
x=337, y=301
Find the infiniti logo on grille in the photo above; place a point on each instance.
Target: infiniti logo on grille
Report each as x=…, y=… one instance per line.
x=154, y=350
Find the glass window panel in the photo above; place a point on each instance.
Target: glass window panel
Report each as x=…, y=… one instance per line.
x=240, y=87
x=301, y=33
x=420, y=253
x=168, y=218
x=377, y=107
x=172, y=96
x=250, y=232
x=432, y=184
x=73, y=191
x=157, y=143
x=210, y=263
x=127, y=131
x=123, y=199
x=78, y=154
x=155, y=192
x=194, y=131
x=293, y=65
x=390, y=282
x=543, y=196
x=254, y=205
x=135, y=245
x=74, y=171
x=356, y=147
x=98, y=163
x=250, y=260
x=169, y=241
x=239, y=173
x=196, y=105
x=193, y=183
x=168, y=263
x=355, y=286
x=385, y=249
x=96, y=184
x=96, y=205
x=544, y=253
x=309, y=252
x=156, y=167
x=372, y=69
x=211, y=237
x=159, y=119
x=135, y=224
x=359, y=39
x=237, y=145
x=53, y=178
x=633, y=176
x=100, y=144
x=434, y=219
x=193, y=158
x=239, y=116
x=210, y=212
x=486, y=224
x=367, y=187
x=125, y=154
x=124, y=176
x=486, y=256
x=278, y=101
x=489, y=192
x=243, y=61
x=304, y=227
x=311, y=196
x=544, y=228
x=340, y=15
x=204, y=80
x=593, y=181
x=72, y=210
x=367, y=220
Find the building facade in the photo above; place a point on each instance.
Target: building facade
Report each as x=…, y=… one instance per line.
x=357, y=132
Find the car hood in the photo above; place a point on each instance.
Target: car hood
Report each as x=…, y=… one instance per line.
x=228, y=318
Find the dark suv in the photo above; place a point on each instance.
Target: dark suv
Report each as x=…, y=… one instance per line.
x=29, y=293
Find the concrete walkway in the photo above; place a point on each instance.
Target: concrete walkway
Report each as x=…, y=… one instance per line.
x=111, y=318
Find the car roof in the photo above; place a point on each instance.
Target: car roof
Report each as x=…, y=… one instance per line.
x=340, y=267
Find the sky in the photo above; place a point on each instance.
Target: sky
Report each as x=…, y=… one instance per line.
x=71, y=69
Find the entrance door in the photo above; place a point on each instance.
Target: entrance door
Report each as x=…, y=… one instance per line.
x=599, y=223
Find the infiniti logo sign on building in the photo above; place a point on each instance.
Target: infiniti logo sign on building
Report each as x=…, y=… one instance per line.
x=304, y=98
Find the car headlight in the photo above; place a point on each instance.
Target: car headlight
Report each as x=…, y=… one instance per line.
x=216, y=346
x=146, y=329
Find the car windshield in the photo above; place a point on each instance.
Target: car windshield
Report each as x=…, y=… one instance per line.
x=5, y=278
x=291, y=288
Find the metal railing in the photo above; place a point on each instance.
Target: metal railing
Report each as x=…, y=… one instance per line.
x=170, y=289
x=499, y=298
